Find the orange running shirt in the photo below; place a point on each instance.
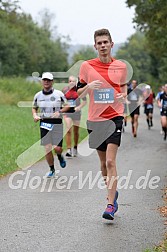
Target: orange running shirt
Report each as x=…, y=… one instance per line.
x=102, y=103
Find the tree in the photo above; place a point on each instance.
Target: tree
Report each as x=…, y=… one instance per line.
x=9, y=5
x=136, y=52
x=46, y=18
x=85, y=53
x=25, y=47
x=151, y=18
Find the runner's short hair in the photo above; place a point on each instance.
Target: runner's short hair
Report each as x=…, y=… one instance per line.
x=102, y=32
x=135, y=81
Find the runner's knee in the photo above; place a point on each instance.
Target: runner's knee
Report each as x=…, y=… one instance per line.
x=48, y=148
x=58, y=149
x=110, y=163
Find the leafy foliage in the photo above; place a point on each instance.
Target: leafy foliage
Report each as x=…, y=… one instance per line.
x=13, y=90
x=151, y=18
x=136, y=52
x=25, y=47
x=85, y=53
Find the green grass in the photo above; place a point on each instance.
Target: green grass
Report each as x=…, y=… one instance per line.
x=20, y=136
x=13, y=90
x=160, y=248
x=18, y=130
x=18, y=133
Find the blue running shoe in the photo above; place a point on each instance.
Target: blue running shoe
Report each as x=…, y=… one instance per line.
x=115, y=202
x=62, y=161
x=109, y=212
x=51, y=174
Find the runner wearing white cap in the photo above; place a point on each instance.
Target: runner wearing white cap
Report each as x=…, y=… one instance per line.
x=48, y=103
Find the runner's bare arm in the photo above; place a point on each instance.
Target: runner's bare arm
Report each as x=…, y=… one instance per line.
x=83, y=103
x=35, y=116
x=124, y=90
x=82, y=88
x=159, y=103
x=64, y=109
x=122, y=97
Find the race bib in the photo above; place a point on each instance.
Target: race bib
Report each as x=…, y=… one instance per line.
x=133, y=96
x=72, y=103
x=47, y=126
x=105, y=95
x=149, y=106
x=164, y=105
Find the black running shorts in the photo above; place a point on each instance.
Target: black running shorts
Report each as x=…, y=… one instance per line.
x=54, y=136
x=134, y=110
x=163, y=112
x=103, y=133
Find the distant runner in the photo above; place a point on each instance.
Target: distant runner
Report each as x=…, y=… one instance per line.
x=162, y=103
x=73, y=116
x=134, y=99
x=49, y=103
x=149, y=105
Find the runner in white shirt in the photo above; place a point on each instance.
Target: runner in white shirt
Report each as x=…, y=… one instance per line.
x=48, y=103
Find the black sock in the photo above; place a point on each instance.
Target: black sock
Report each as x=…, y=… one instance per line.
x=110, y=205
x=148, y=122
x=164, y=129
x=52, y=168
x=59, y=156
x=75, y=147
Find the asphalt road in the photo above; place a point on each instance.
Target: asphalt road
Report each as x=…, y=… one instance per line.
x=65, y=215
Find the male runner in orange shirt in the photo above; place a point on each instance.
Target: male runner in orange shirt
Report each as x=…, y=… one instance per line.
x=103, y=79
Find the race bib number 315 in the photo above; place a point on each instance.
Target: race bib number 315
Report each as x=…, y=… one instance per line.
x=104, y=95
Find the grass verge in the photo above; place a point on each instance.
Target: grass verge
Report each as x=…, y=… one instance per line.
x=162, y=247
x=18, y=133
x=18, y=130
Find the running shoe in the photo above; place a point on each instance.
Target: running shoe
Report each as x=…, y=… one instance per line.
x=62, y=162
x=109, y=212
x=75, y=152
x=51, y=174
x=69, y=154
x=115, y=201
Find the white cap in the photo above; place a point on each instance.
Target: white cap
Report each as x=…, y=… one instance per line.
x=147, y=87
x=47, y=75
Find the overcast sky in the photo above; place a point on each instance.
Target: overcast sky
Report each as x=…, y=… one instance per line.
x=79, y=19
